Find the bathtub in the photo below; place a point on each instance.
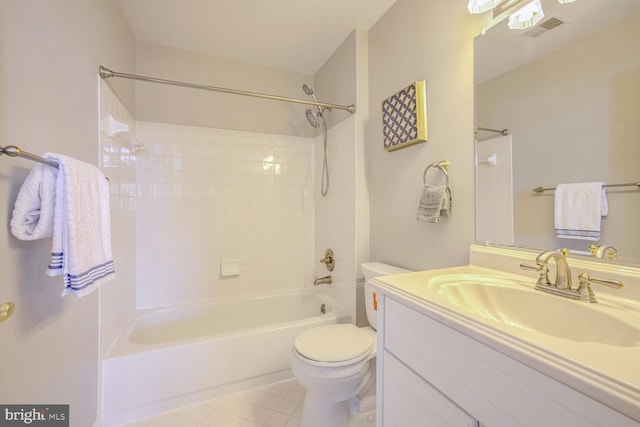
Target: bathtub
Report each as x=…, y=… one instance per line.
x=177, y=356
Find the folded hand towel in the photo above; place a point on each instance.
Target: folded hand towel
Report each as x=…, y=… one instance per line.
x=578, y=210
x=32, y=216
x=435, y=201
x=81, y=244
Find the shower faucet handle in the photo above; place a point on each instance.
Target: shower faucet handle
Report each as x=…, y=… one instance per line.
x=328, y=260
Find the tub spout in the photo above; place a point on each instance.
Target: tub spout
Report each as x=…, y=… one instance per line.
x=323, y=280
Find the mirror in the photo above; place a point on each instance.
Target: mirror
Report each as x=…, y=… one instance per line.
x=568, y=91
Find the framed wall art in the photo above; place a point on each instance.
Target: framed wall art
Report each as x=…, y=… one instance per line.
x=404, y=117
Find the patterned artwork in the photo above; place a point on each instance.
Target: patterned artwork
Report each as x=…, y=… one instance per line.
x=404, y=117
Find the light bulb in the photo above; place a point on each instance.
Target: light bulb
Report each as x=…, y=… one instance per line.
x=527, y=16
x=481, y=6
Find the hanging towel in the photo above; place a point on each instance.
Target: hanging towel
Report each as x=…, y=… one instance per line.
x=81, y=244
x=435, y=201
x=32, y=217
x=579, y=209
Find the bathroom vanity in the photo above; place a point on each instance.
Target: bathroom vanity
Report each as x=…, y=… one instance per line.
x=478, y=346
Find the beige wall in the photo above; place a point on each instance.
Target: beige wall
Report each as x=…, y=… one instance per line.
x=573, y=118
x=422, y=40
x=49, y=58
x=177, y=105
x=335, y=80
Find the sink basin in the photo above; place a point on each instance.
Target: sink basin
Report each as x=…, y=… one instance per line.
x=516, y=304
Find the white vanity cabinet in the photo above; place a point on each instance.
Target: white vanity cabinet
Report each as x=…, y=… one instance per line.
x=412, y=401
x=433, y=373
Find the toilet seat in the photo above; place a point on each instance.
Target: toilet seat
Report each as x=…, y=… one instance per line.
x=334, y=345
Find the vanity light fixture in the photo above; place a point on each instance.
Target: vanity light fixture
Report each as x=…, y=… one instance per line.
x=527, y=16
x=567, y=1
x=481, y=6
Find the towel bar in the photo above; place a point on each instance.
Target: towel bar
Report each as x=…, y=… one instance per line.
x=13, y=151
x=628, y=184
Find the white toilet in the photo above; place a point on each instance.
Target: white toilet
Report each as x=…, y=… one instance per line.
x=336, y=362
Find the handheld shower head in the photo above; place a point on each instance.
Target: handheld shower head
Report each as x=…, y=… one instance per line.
x=314, y=120
x=307, y=89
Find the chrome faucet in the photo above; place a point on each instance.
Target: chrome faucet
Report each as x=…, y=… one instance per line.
x=562, y=286
x=563, y=272
x=323, y=280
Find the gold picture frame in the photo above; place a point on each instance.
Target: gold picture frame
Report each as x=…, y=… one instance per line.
x=404, y=117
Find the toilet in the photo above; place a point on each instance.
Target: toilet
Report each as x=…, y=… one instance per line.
x=336, y=363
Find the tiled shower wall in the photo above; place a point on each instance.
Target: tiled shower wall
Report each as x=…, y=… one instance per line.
x=207, y=196
x=118, y=163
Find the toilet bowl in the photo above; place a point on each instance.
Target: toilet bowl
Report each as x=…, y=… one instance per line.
x=334, y=363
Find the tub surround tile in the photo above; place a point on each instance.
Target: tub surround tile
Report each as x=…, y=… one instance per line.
x=233, y=193
x=118, y=298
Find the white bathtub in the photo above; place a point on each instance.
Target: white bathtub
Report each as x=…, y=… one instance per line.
x=177, y=356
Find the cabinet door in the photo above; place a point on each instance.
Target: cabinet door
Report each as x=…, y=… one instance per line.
x=410, y=401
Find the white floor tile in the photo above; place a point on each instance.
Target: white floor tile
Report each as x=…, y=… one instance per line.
x=227, y=404
x=243, y=410
x=273, y=405
x=169, y=420
x=296, y=394
x=278, y=420
x=216, y=418
x=234, y=421
x=281, y=389
x=293, y=422
x=255, y=396
x=288, y=407
x=197, y=413
x=260, y=415
x=270, y=402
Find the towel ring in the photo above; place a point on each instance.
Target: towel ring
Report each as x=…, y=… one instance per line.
x=442, y=165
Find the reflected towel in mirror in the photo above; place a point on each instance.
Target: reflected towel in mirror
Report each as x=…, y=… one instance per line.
x=579, y=209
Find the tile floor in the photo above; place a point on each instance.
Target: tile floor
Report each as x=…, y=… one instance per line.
x=274, y=405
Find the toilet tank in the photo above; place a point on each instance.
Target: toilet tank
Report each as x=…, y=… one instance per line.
x=371, y=270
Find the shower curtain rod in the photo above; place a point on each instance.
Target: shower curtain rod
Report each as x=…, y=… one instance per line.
x=106, y=73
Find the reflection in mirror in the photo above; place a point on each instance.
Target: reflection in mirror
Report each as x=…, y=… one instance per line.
x=568, y=90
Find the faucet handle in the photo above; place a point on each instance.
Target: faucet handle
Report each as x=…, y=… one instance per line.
x=584, y=288
x=524, y=266
x=543, y=279
x=587, y=279
x=328, y=260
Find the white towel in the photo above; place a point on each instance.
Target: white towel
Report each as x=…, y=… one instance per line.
x=435, y=201
x=81, y=244
x=579, y=209
x=32, y=216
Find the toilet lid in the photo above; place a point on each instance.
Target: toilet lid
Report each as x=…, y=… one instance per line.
x=334, y=343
